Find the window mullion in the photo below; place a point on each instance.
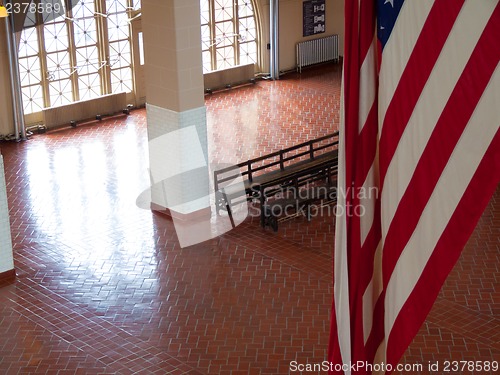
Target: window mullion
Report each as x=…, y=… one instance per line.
x=131, y=35
x=43, y=63
x=236, y=28
x=103, y=47
x=72, y=53
x=213, y=45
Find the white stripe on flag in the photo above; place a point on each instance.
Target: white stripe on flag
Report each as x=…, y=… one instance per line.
x=447, y=194
x=397, y=51
x=368, y=196
x=341, y=285
x=449, y=67
x=367, y=86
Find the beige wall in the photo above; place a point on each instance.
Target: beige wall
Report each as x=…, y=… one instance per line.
x=6, y=116
x=290, y=31
x=172, y=48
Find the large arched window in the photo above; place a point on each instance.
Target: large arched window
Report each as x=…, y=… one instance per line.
x=229, y=33
x=80, y=55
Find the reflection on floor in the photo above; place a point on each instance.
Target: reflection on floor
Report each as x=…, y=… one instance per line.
x=103, y=286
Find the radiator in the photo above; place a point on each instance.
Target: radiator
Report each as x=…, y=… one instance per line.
x=317, y=51
x=85, y=109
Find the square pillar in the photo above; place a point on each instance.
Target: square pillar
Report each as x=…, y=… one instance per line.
x=176, y=113
x=6, y=252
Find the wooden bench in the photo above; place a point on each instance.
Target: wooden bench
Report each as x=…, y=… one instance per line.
x=269, y=174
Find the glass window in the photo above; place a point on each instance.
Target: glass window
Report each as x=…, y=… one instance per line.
x=228, y=33
x=141, y=48
x=79, y=55
x=120, y=57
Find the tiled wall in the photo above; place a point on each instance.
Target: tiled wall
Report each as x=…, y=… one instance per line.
x=192, y=188
x=6, y=259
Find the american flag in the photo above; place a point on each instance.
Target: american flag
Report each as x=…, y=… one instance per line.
x=419, y=161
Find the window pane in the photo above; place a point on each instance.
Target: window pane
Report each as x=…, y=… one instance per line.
x=90, y=86
x=58, y=11
x=223, y=10
x=56, y=37
x=118, y=26
x=137, y=4
x=58, y=66
x=121, y=80
x=204, y=12
x=60, y=92
x=207, y=61
x=29, y=71
x=87, y=60
x=141, y=48
x=116, y=6
x=85, y=32
x=224, y=34
x=206, y=40
x=32, y=99
x=248, y=53
x=84, y=8
x=30, y=19
x=248, y=31
x=225, y=57
x=28, y=45
x=119, y=54
x=245, y=8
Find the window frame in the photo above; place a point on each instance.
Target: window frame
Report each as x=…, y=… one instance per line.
x=235, y=43
x=102, y=45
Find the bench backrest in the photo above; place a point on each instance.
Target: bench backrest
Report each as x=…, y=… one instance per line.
x=278, y=160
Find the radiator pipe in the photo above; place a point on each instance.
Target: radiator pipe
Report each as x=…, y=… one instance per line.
x=15, y=83
x=274, y=28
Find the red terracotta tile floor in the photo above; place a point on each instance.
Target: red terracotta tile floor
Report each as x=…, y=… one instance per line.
x=103, y=287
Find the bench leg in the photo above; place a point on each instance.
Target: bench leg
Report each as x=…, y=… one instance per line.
x=262, y=209
x=270, y=219
x=230, y=214
x=228, y=208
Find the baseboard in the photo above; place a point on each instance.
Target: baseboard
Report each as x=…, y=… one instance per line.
x=7, y=276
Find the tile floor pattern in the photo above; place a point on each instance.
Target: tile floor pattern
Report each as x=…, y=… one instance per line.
x=104, y=288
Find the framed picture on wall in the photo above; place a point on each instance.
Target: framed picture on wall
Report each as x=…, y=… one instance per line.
x=313, y=17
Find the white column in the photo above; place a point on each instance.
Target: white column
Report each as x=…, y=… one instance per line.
x=6, y=255
x=175, y=101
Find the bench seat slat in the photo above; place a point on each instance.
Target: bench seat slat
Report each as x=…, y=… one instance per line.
x=278, y=176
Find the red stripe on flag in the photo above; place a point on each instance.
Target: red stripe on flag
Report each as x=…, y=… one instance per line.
x=446, y=252
x=351, y=108
x=424, y=55
x=367, y=144
x=367, y=26
x=445, y=136
x=363, y=160
x=360, y=32
x=378, y=332
x=458, y=112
